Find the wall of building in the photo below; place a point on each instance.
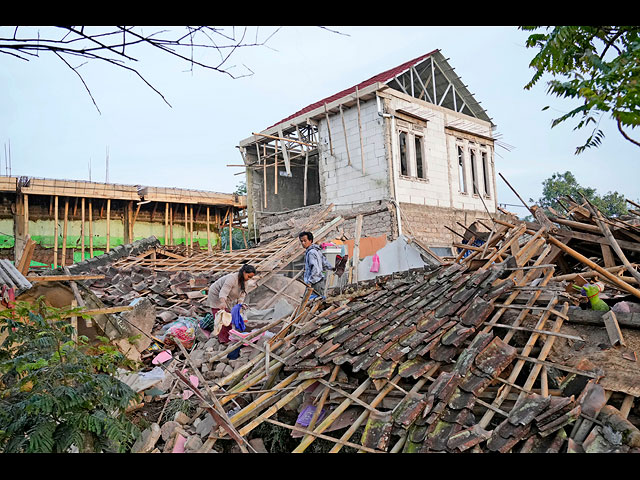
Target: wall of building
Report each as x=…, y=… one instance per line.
x=441, y=188
x=41, y=227
x=342, y=183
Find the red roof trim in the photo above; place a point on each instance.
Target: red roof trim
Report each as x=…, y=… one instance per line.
x=381, y=77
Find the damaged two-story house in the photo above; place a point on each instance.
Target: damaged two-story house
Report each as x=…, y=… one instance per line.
x=409, y=148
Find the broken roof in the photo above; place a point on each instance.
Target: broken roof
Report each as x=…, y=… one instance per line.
x=393, y=73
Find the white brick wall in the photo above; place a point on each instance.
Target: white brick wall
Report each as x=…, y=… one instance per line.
x=344, y=183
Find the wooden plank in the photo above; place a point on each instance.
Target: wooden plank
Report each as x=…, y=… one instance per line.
x=356, y=248
x=209, y=232
x=64, y=231
x=26, y=215
x=326, y=117
x=360, y=130
x=61, y=278
x=82, y=230
x=166, y=222
x=101, y=311
x=90, y=228
x=578, y=256
x=346, y=142
x=55, y=233
x=108, y=222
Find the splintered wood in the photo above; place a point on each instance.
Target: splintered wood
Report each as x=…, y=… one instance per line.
x=449, y=358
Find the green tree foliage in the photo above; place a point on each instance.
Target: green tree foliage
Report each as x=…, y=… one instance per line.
x=56, y=392
x=599, y=65
x=563, y=184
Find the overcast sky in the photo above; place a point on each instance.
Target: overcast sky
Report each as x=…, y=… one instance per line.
x=53, y=129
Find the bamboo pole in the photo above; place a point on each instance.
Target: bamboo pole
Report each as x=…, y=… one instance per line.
x=171, y=225
x=82, y=229
x=108, y=222
x=55, y=233
x=166, y=223
x=191, y=227
x=275, y=170
x=346, y=143
x=578, y=256
x=360, y=129
x=186, y=226
x=612, y=241
x=90, y=228
x=64, y=232
x=326, y=116
x=26, y=215
x=208, y=232
x=332, y=417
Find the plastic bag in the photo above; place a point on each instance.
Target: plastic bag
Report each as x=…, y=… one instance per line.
x=375, y=264
x=182, y=330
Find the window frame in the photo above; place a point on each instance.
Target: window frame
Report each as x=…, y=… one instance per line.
x=413, y=138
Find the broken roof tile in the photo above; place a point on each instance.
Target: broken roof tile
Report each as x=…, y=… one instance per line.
x=592, y=399
x=409, y=408
x=377, y=430
x=415, y=367
x=439, y=434
x=495, y=357
x=444, y=385
x=429, y=322
x=457, y=335
x=356, y=341
x=527, y=407
x=443, y=353
x=557, y=407
x=475, y=382
x=468, y=438
x=478, y=311
x=569, y=417
x=498, y=443
x=363, y=362
x=461, y=399
x=382, y=368
x=468, y=355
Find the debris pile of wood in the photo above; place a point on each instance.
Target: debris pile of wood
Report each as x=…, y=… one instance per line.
x=496, y=351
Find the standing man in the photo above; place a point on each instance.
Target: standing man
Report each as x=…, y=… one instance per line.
x=314, y=264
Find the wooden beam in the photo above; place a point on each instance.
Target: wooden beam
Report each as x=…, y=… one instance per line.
x=166, y=223
x=285, y=154
x=62, y=278
x=326, y=117
x=64, y=231
x=82, y=230
x=108, y=222
x=346, y=142
x=208, y=232
x=90, y=228
x=578, y=256
x=186, y=226
x=275, y=170
x=360, y=130
x=26, y=215
x=55, y=233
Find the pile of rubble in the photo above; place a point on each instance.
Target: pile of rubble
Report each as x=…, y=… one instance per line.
x=497, y=350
